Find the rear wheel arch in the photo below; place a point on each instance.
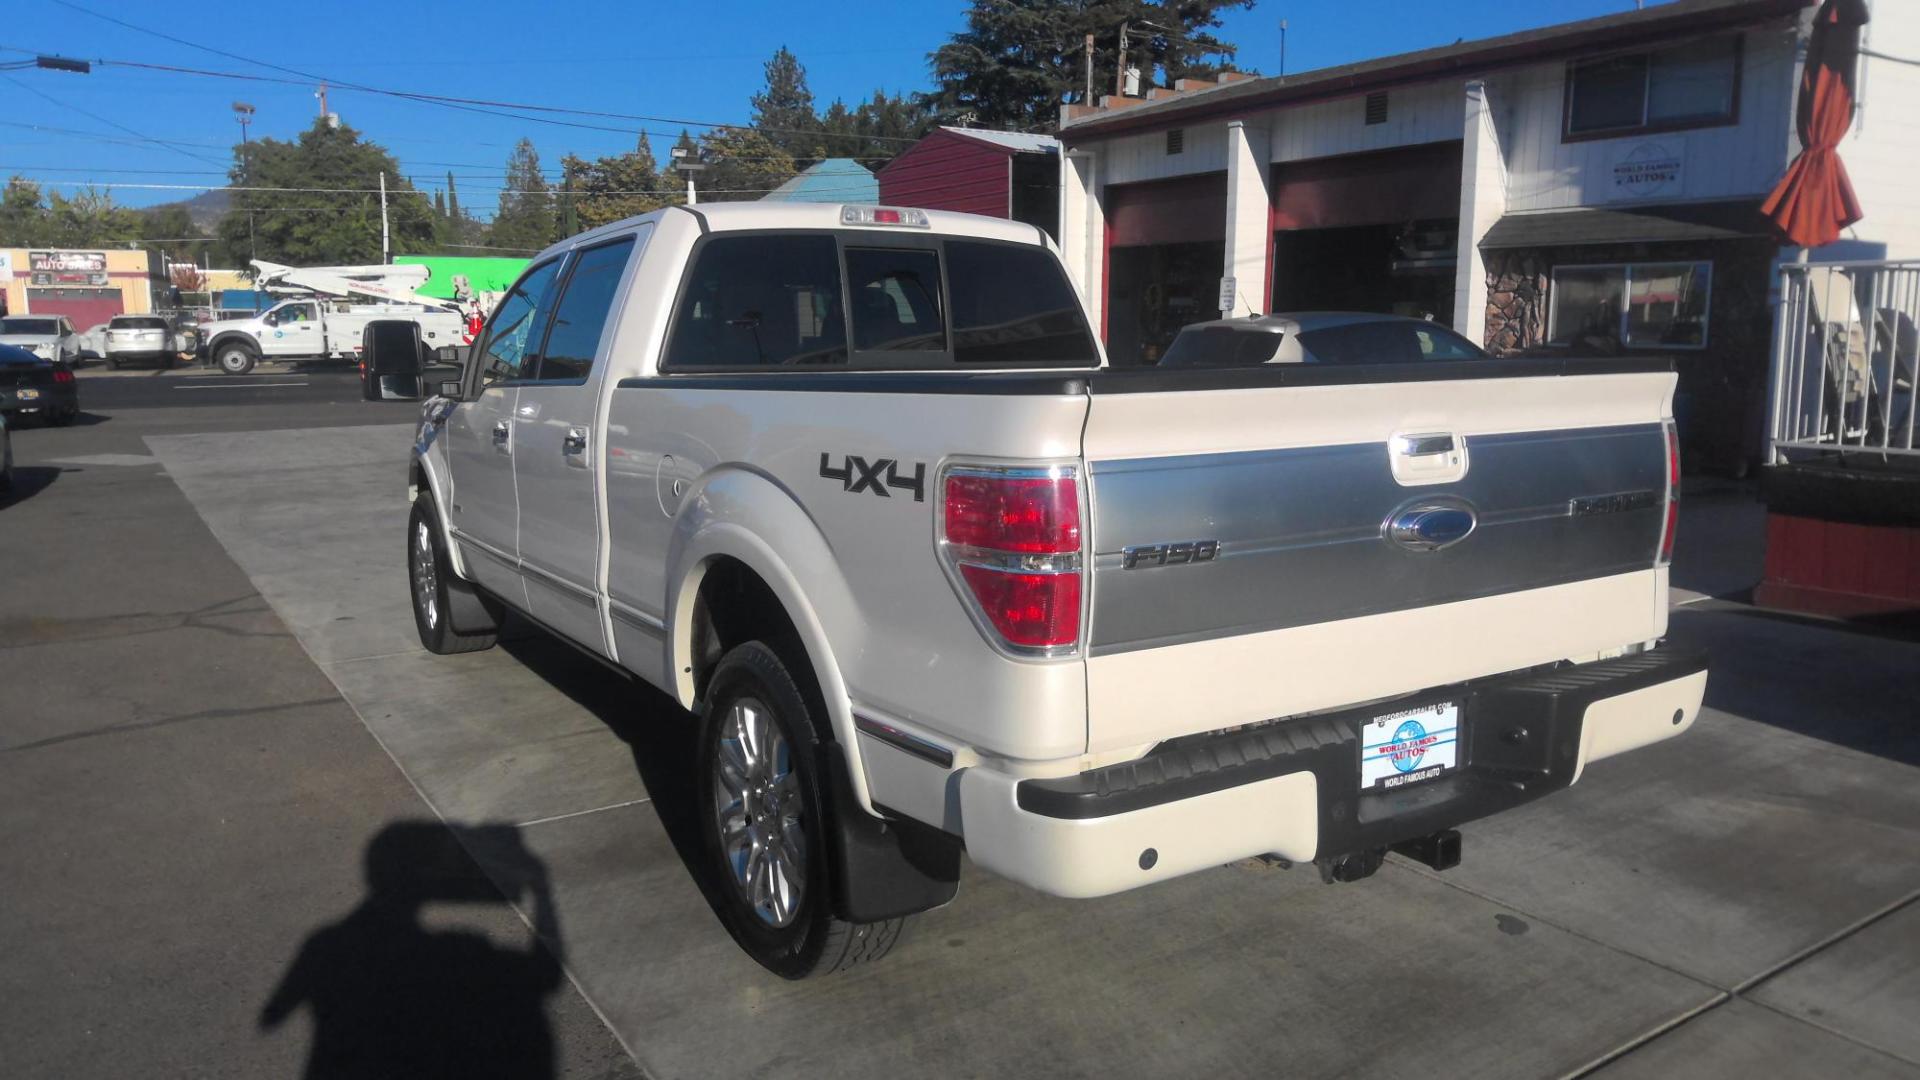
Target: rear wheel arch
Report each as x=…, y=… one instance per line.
x=735, y=590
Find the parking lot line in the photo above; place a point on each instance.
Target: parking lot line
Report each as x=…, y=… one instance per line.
x=236, y=386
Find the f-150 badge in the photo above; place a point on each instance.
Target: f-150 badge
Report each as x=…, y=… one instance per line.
x=857, y=474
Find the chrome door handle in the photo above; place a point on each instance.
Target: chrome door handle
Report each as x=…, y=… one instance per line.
x=502, y=429
x=575, y=441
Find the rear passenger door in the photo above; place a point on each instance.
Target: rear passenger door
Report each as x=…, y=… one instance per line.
x=557, y=463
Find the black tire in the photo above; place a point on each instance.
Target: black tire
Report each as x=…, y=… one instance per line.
x=235, y=358
x=113, y=362
x=64, y=417
x=812, y=940
x=432, y=586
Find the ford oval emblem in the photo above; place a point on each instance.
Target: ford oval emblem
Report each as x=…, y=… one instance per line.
x=1431, y=524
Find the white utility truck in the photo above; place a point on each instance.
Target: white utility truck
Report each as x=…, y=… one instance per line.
x=329, y=315
x=854, y=486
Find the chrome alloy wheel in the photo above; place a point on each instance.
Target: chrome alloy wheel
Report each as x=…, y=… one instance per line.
x=756, y=805
x=426, y=580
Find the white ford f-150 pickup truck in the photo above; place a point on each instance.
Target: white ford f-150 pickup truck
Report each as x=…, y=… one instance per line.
x=854, y=486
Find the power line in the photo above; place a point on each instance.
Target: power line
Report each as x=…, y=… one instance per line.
x=466, y=104
x=103, y=120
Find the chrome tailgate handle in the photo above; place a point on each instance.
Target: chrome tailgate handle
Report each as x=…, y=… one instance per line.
x=1427, y=457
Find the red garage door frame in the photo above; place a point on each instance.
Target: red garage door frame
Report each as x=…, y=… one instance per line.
x=1184, y=210
x=86, y=307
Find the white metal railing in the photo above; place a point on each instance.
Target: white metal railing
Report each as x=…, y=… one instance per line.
x=1845, y=340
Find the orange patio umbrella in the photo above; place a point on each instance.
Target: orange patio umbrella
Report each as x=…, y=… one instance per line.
x=1815, y=200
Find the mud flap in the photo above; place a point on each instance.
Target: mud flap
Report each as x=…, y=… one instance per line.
x=884, y=868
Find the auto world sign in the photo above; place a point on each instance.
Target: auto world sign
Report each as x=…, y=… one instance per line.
x=67, y=267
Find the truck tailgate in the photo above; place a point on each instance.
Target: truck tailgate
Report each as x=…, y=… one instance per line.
x=1305, y=546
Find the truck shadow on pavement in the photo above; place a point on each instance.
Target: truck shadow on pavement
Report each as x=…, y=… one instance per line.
x=391, y=996
x=661, y=736
x=1838, y=683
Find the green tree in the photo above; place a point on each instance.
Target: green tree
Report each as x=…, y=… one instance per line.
x=528, y=218
x=619, y=186
x=783, y=109
x=1017, y=61
x=23, y=220
x=89, y=219
x=321, y=206
x=455, y=231
x=742, y=165
x=875, y=130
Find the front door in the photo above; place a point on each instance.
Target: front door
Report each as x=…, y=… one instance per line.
x=296, y=331
x=557, y=464
x=483, y=508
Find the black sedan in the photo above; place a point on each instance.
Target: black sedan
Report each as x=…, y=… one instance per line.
x=32, y=387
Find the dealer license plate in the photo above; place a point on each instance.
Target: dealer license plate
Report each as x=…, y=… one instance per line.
x=27, y=395
x=1409, y=746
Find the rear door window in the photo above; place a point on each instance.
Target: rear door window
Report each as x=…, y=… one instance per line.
x=1013, y=307
x=581, y=314
x=761, y=301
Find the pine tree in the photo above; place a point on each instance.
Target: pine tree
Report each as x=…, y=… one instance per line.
x=742, y=164
x=783, y=111
x=1019, y=60
x=527, y=219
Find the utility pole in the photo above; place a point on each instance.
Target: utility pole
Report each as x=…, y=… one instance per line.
x=1088, y=100
x=1120, y=66
x=384, y=259
x=323, y=100
x=1283, y=46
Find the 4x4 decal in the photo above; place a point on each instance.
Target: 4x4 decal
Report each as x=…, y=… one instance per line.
x=857, y=474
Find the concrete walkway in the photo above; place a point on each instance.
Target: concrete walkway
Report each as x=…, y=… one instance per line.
x=1737, y=902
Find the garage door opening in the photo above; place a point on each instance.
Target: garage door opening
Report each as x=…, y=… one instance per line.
x=1405, y=269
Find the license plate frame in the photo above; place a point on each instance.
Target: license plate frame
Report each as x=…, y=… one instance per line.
x=1410, y=745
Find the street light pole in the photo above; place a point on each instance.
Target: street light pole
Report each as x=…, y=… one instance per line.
x=243, y=112
x=384, y=257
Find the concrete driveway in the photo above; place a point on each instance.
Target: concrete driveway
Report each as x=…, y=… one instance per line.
x=1736, y=902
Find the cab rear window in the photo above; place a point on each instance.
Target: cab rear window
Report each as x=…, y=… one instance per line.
x=858, y=300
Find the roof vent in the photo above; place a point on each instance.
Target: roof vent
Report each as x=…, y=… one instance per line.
x=1377, y=107
x=1177, y=141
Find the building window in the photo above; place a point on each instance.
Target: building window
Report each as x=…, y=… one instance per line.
x=1635, y=305
x=1177, y=141
x=1691, y=85
x=1377, y=107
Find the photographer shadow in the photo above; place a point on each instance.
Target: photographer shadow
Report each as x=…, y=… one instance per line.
x=391, y=996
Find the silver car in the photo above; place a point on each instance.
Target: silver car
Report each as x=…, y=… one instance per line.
x=49, y=337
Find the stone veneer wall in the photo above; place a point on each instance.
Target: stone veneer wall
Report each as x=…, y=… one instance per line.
x=1723, y=387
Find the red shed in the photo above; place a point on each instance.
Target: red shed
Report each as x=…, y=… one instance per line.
x=1003, y=174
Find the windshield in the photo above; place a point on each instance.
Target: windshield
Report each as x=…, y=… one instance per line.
x=50, y=327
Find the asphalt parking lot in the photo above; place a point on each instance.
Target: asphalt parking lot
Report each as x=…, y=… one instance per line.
x=253, y=825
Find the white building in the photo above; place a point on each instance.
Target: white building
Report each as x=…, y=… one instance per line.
x=1593, y=185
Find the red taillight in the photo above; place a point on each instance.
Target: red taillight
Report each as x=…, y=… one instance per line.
x=1027, y=515
x=1013, y=536
x=1030, y=610
x=1672, y=525
x=886, y=217
x=61, y=375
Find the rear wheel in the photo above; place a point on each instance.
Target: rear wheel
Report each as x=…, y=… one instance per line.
x=763, y=801
x=235, y=358
x=63, y=417
x=436, y=590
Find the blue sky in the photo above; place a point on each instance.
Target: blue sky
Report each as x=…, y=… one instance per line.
x=698, y=61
